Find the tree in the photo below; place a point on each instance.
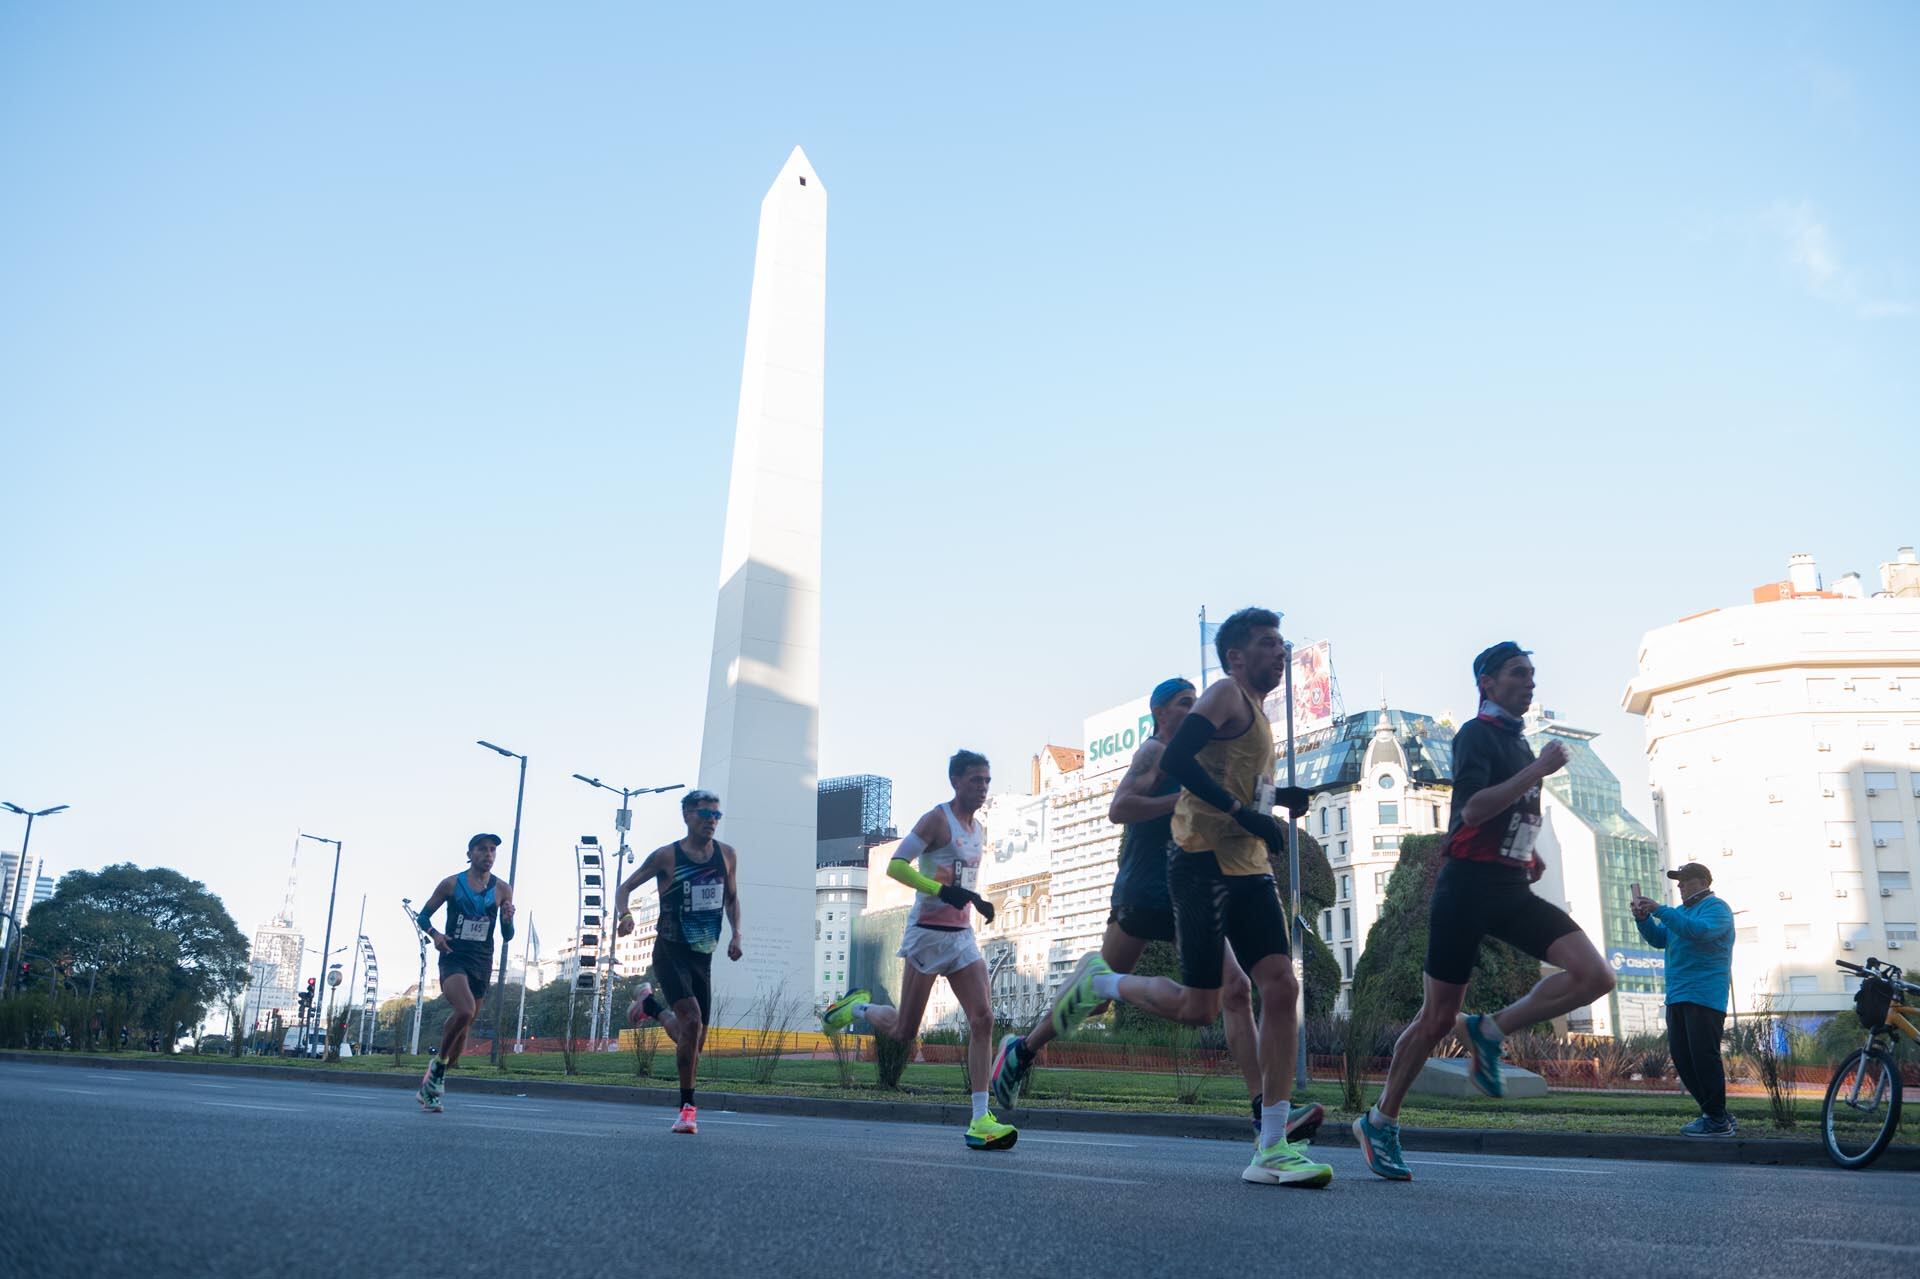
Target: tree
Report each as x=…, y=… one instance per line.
x=1387, y=982
x=154, y=939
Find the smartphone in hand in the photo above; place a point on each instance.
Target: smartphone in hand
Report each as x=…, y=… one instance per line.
x=1635, y=890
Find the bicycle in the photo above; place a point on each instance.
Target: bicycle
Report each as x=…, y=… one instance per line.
x=1862, y=1108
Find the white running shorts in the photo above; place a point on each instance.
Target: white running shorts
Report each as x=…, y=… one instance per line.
x=937, y=953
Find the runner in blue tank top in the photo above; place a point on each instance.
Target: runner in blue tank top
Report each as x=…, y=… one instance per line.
x=475, y=900
x=698, y=884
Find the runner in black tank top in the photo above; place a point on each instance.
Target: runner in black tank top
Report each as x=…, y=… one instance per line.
x=1143, y=912
x=478, y=904
x=698, y=885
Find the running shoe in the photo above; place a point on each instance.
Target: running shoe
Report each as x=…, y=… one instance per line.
x=1077, y=1000
x=839, y=1014
x=988, y=1133
x=637, y=1011
x=1285, y=1164
x=1485, y=1053
x=1009, y=1072
x=1380, y=1146
x=689, y=1120
x=431, y=1090
x=1304, y=1122
x=1725, y=1126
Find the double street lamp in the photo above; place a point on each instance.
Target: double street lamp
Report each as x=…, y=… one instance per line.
x=513, y=866
x=326, y=938
x=19, y=884
x=622, y=822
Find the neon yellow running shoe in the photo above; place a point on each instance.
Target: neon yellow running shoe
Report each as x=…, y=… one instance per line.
x=839, y=1014
x=1077, y=1000
x=988, y=1133
x=1285, y=1164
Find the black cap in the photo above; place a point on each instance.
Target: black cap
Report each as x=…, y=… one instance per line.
x=1692, y=870
x=1492, y=659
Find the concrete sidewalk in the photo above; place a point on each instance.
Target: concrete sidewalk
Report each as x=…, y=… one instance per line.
x=1483, y=1141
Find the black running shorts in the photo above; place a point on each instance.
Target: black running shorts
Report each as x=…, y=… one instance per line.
x=1143, y=922
x=1472, y=900
x=477, y=969
x=1208, y=907
x=684, y=973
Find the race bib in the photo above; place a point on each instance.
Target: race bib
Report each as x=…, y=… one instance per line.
x=473, y=929
x=966, y=876
x=705, y=897
x=1520, y=840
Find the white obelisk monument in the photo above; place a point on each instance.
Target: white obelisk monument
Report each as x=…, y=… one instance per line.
x=760, y=751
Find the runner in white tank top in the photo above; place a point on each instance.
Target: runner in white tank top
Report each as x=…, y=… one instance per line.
x=940, y=860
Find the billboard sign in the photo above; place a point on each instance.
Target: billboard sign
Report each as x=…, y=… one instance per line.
x=1637, y=963
x=1016, y=838
x=1112, y=736
x=1313, y=700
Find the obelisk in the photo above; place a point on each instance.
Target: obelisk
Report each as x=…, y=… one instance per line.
x=760, y=750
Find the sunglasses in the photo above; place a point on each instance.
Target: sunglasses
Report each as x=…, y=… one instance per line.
x=711, y=814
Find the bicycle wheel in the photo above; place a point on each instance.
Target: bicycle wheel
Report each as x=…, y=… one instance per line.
x=1862, y=1108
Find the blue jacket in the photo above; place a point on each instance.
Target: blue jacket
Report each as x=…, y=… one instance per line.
x=1698, y=939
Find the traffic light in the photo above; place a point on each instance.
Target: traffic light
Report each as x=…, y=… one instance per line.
x=26, y=971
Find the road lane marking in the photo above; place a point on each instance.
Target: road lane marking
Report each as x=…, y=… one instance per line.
x=248, y=1105
x=84, y=1092
x=198, y=1084
x=1869, y=1245
x=1068, y=1141
x=739, y=1123
x=1454, y=1163
x=1016, y=1172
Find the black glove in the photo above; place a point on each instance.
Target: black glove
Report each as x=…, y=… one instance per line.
x=1261, y=825
x=1295, y=799
x=960, y=898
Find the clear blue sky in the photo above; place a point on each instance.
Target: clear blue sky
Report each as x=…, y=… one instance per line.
x=367, y=381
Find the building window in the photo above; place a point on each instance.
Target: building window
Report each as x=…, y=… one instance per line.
x=1797, y=935
x=1346, y=961
x=1343, y=817
x=1346, y=887
x=1877, y=782
x=1342, y=850
x=1346, y=922
x=1380, y=878
x=1803, y=985
x=1896, y=879
x=1390, y=813
x=1323, y=821
x=1436, y=817
x=1385, y=843
x=1895, y=932
x=1326, y=924
x=1747, y=936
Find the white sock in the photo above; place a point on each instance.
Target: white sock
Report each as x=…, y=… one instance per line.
x=1107, y=985
x=979, y=1105
x=1379, y=1120
x=1489, y=1029
x=1273, y=1122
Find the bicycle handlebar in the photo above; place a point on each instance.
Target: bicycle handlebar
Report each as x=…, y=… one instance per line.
x=1883, y=970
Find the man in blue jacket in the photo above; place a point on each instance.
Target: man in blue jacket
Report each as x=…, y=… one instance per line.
x=1698, y=938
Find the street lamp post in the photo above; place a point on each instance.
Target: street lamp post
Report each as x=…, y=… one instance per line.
x=326, y=938
x=622, y=822
x=420, y=989
x=19, y=882
x=513, y=867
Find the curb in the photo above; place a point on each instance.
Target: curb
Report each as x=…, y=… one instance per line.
x=1776, y=1152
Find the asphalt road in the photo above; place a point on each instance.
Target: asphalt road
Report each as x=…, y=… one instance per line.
x=158, y=1174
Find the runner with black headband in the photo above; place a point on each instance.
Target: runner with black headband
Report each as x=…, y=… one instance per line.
x=1483, y=891
x=698, y=881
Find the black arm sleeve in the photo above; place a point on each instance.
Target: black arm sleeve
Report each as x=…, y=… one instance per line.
x=1180, y=761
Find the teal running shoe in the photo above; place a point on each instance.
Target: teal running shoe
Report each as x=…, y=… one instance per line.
x=1285, y=1164
x=1380, y=1146
x=432, y=1088
x=839, y=1014
x=1077, y=1001
x=1485, y=1054
x=1009, y=1072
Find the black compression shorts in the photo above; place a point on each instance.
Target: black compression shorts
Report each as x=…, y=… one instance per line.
x=1209, y=907
x=1472, y=900
x=477, y=969
x=684, y=973
x=1143, y=922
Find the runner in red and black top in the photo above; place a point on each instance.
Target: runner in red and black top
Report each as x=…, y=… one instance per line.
x=1483, y=891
